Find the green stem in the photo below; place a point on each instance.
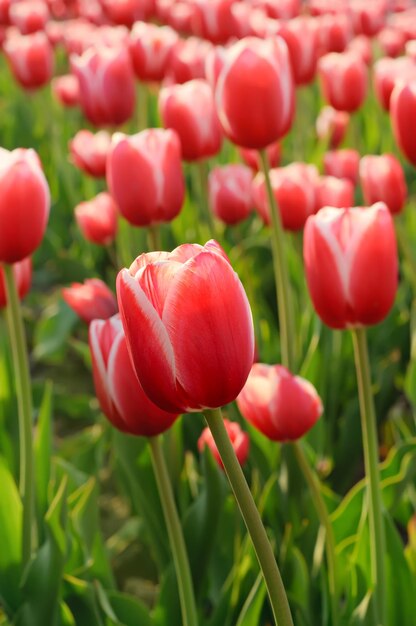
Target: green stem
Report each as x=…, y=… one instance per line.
x=251, y=516
x=24, y=401
x=370, y=445
x=154, y=238
x=281, y=274
x=202, y=171
x=180, y=557
x=322, y=512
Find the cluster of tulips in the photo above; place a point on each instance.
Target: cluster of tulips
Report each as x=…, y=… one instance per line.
x=220, y=81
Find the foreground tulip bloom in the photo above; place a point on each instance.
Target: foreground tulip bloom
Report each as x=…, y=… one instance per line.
x=331, y=126
x=229, y=190
x=118, y=389
x=23, y=277
x=89, y=152
x=66, y=90
x=239, y=440
x=90, y=300
x=189, y=110
x=255, y=92
x=30, y=58
x=188, y=326
x=351, y=264
x=24, y=204
x=382, y=179
x=342, y=164
x=344, y=80
x=97, y=219
x=150, y=49
x=402, y=113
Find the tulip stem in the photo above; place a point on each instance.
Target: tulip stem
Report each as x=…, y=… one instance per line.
x=370, y=445
x=202, y=170
x=177, y=542
x=154, y=238
x=281, y=275
x=24, y=402
x=251, y=516
x=325, y=521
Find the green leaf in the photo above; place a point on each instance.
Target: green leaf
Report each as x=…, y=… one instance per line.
x=53, y=331
x=11, y=538
x=43, y=451
x=123, y=610
x=251, y=611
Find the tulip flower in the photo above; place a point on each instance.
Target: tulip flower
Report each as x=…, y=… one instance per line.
x=188, y=326
x=382, y=179
x=239, y=440
x=29, y=17
x=335, y=31
x=342, y=164
x=106, y=83
x=361, y=45
x=388, y=72
x=24, y=204
x=118, y=389
x=30, y=58
x=214, y=20
x=281, y=406
x=23, y=279
x=402, y=113
x=344, y=80
x=97, y=219
x=66, y=90
x=301, y=36
x=368, y=18
x=144, y=174
x=391, y=41
x=127, y=12
x=89, y=152
x=252, y=158
x=331, y=125
x=189, y=109
x=229, y=189
x=187, y=60
x=214, y=62
x=255, y=92
x=351, y=264
x=334, y=192
x=150, y=50
x=90, y=300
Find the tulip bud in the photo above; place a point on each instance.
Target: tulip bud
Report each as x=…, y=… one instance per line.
x=89, y=152
x=97, y=219
x=24, y=204
x=29, y=17
x=335, y=192
x=252, y=157
x=382, y=179
x=189, y=109
x=342, y=164
x=255, y=92
x=144, y=174
x=344, y=80
x=188, y=326
x=118, y=389
x=23, y=277
x=402, y=113
x=150, y=50
x=281, y=406
x=90, y=300
x=30, y=58
x=229, y=192
x=239, y=439
x=66, y=90
x=351, y=264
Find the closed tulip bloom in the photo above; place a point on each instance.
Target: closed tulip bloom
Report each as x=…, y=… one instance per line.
x=91, y=300
x=97, y=219
x=335, y=31
x=229, y=192
x=188, y=326
x=144, y=174
x=351, y=264
x=126, y=12
x=368, y=17
x=30, y=58
x=214, y=20
x=239, y=439
x=392, y=41
x=294, y=189
x=362, y=46
x=118, y=389
x=388, y=72
x=255, y=92
x=281, y=406
x=29, y=17
x=106, y=82
x=89, y=151
x=180, y=15
x=335, y=192
x=24, y=204
x=66, y=90
x=187, y=60
x=332, y=125
x=301, y=36
x=403, y=115
x=150, y=50
x=382, y=179
x=342, y=164
x=23, y=277
x=344, y=80
x=189, y=109
x=252, y=157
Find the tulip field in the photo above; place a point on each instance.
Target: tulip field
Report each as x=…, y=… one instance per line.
x=208, y=313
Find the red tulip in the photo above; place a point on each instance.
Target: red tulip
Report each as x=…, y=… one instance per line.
x=24, y=204
x=97, y=219
x=281, y=406
x=335, y=31
x=252, y=157
x=240, y=442
x=89, y=152
x=66, y=90
x=127, y=12
x=78, y=35
x=179, y=16
x=90, y=300
x=362, y=46
x=334, y=192
x=382, y=179
x=214, y=62
x=301, y=36
x=342, y=164
x=344, y=80
x=331, y=126
x=30, y=58
x=229, y=189
x=187, y=60
x=106, y=81
x=189, y=109
x=29, y=17
x=188, y=326
x=402, y=113
x=255, y=92
x=283, y=9
x=118, y=389
x=144, y=174
x=214, y=20
x=150, y=50
x=392, y=41
x=23, y=277
x=388, y=72
x=351, y=264
x=368, y=17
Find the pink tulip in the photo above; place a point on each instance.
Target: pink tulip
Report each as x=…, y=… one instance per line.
x=127, y=12
x=391, y=41
x=90, y=300
x=229, y=192
x=252, y=157
x=66, y=90
x=334, y=192
x=331, y=126
x=30, y=58
x=344, y=80
x=342, y=164
x=89, y=151
x=402, y=114
x=301, y=36
x=97, y=219
x=187, y=60
x=150, y=50
x=29, y=17
x=214, y=20
x=23, y=277
x=388, y=72
x=240, y=442
x=382, y=179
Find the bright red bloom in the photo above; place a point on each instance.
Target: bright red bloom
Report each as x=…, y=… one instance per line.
x=188, y=326
x=89, y=151
x=150, y=50
x=351, y=264
x=403, y=116
x=240, y=442
x=66, y=90
x=144, y=174
x=342, y=164
x=30, y=58
x=281, y=406
x=23, y=276
x=344, y=80
x=97, y=219
x=90, y=300
x=229, y=191
x=331, y=125
x=382, y=179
